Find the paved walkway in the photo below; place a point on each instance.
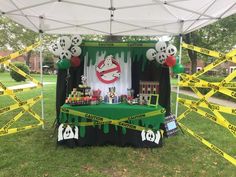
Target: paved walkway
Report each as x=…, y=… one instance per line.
x=31, y=84
x=211, y=99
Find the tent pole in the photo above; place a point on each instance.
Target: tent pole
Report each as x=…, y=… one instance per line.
x=180, y=56
x=41, y=75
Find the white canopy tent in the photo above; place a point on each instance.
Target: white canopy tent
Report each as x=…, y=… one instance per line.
x=116, y=17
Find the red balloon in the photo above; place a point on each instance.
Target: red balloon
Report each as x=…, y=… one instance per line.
x=75, y=61
x=170, y=61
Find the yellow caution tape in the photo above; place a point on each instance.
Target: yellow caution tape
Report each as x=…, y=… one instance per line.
x=209, y=145
x=15, y=130
x=222, y=57
x=19, y=105
x=102, y=120
x=19, y=53
x=216, y=88
x=134, y=117
x=12, y=121
x=19, y=71
x=13, y=91
x=193, y=82
x=26, y=105
x=211, y=106
x=217, y=119
x=200, y=84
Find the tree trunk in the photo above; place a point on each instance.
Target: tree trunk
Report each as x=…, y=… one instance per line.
x=189, y=39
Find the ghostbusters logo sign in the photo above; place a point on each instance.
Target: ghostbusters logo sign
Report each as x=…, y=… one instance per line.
x=108, y=70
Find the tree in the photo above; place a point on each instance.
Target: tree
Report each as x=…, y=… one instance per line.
x=16, y=37
x=219, y=36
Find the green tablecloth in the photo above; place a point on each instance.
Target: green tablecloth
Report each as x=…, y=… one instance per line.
x=115, y=112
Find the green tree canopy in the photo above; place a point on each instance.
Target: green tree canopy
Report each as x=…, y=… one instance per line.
x=219, y=36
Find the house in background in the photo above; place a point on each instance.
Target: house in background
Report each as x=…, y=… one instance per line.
x=34, y=60
x=200, y=64
x=223, y=69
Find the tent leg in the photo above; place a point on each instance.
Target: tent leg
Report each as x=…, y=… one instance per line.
x=41, y=77
x=177, y=96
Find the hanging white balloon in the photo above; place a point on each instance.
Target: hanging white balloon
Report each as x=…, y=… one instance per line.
x=65, y=42
x=75, y=51
x=171, y=50
x=160, y=46
x=151, y=54
x=161, y=57
x=76, y=40
x=65, y=54
x=55, y=49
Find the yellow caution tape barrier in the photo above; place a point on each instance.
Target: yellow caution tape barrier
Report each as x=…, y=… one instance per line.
x=209, y=145
x=19, y=53
x=224, y=87
x=25, y=105
x=121, y=122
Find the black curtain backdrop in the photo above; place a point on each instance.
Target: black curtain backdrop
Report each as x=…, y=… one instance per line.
x=152, y=72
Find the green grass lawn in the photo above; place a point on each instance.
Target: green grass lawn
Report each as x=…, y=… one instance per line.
x=34, y=152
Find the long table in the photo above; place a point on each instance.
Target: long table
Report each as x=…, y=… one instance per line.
x=117, y=124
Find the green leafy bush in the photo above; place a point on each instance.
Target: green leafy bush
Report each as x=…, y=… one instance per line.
x=17, y=77
x=2, y=69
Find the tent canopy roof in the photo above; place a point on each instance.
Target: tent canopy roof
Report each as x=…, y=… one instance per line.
x=117, y=17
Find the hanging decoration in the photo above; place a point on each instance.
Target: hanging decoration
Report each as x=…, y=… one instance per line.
x=178, y=68
x=75, y=61
x=163, y=54
x=151, y=54
x=68, y=51
x=108, y=70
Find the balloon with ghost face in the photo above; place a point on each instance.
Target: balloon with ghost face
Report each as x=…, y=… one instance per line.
x=151, y=54
x=65, y=42
x=76, y=40
x=171, y=50
x=75, y=51
x=161, y=57
x=65, y=54
x=56, y=49
x=160, y=46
